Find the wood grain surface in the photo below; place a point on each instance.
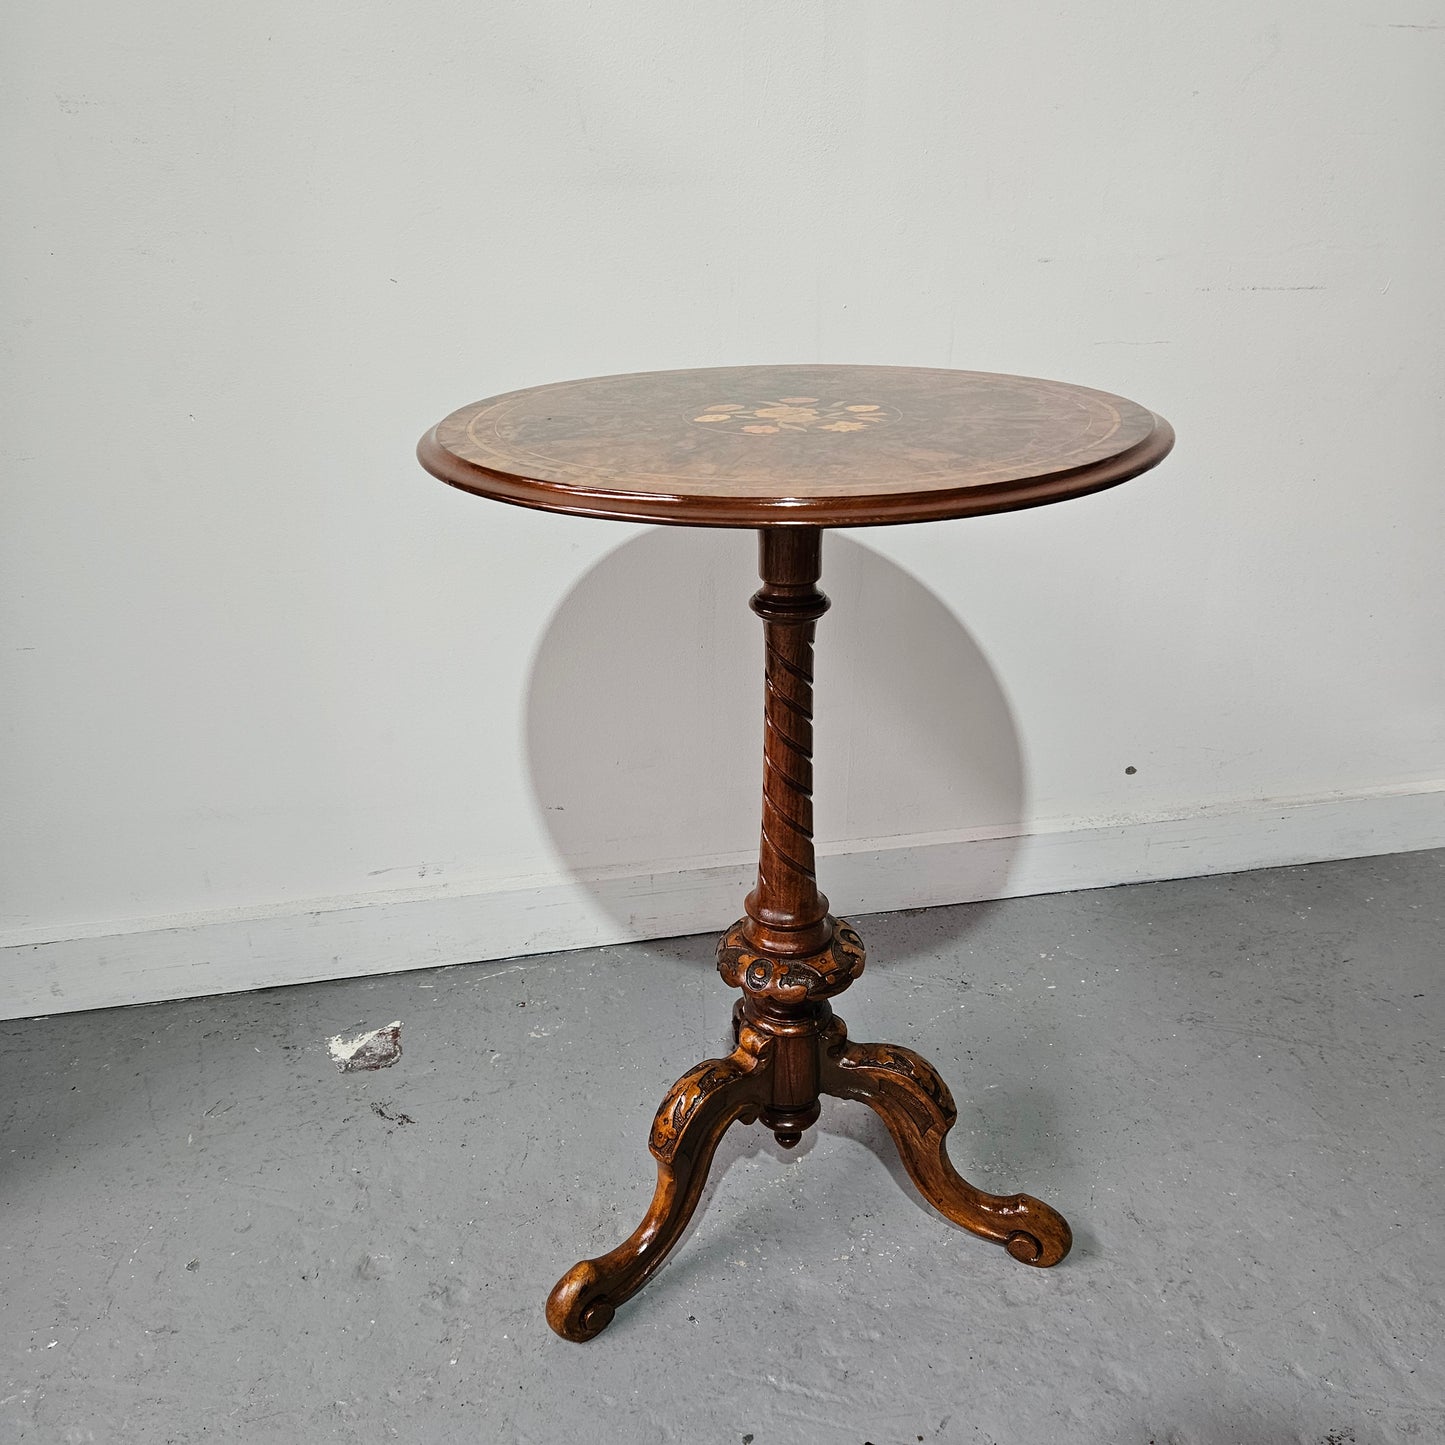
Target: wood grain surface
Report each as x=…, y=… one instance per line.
x=803, y=445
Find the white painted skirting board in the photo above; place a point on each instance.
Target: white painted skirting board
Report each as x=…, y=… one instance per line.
x=186, y=958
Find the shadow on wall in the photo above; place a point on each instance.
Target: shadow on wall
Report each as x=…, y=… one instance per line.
x=644, y=723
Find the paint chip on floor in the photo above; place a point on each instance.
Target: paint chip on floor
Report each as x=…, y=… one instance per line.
x=375, y=1049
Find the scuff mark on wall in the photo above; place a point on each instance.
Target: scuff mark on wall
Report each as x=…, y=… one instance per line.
x=375, y=1049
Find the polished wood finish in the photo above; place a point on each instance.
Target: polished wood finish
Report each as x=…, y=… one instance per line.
x=789, y=451
x=825, y=446
x=787, y=916
x=789, y=956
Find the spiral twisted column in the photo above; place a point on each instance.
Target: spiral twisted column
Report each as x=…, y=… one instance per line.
x=787, y=916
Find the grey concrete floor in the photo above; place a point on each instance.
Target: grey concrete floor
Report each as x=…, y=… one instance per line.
x=1230, y=1085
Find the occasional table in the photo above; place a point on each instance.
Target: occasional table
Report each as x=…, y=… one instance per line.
x=791, y=451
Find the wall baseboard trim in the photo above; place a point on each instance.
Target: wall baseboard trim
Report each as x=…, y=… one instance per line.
x=328, y=939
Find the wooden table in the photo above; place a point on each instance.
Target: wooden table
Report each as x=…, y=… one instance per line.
x=792, y=450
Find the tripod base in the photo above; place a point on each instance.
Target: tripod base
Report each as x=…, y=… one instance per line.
x=789, y=1051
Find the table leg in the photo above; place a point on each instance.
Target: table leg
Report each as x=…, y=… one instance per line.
x=906, y=1092
x=690, y=1122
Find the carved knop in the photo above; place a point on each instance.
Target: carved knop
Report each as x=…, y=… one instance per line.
x=791, y=980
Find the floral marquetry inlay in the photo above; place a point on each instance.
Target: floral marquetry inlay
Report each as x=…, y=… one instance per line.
x=831, y=446
x=795, y=413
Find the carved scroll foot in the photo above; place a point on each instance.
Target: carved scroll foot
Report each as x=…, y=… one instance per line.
x=906, y=1092
x=685, y=1134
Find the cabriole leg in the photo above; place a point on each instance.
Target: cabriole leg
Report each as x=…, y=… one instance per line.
x=685, y=1134
x=906, y=1092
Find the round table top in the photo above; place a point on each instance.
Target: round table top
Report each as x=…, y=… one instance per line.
x=823, y=446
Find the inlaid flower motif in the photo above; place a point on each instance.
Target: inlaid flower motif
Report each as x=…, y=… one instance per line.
x=793, y=413
x=787, y=413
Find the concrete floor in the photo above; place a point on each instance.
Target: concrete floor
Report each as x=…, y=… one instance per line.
x=1231, y=1086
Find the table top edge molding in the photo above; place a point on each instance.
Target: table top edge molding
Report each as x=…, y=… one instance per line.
x=878, y=509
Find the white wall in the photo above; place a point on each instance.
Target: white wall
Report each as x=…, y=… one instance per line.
x=277, y=705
